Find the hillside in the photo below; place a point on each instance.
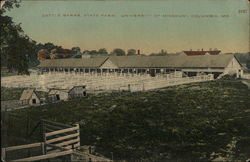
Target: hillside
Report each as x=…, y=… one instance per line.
x=188, y=122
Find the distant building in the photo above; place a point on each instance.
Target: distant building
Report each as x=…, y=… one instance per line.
x=58, y=95
x=29, y=97
x=209, y=64
x=77, y=91
x=66, y=94
x=197, y=53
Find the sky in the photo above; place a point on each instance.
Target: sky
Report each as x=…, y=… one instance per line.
x=171, y=25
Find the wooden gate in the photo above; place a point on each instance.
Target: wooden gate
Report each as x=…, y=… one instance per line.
x=58, y=140
x=60, y=135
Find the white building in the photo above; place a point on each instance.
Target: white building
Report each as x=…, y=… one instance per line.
x=55, y=95
x=29, y=97
x=190, y=65
x=77, y=91
x=58, y=95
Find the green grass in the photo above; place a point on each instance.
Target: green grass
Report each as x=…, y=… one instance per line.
x=11, y=93
x=15, y=93
x=186, y=122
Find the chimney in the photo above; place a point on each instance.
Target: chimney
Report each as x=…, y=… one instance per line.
x=138, y=52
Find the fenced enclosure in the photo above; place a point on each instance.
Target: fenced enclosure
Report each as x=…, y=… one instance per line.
x=59, y=142
x=99, y=83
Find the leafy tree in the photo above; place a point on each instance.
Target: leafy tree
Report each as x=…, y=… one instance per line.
x=102, y=51
x=131, y=52
x=93, y=52
x=76, y=50
x=16, y=47
x=49, y=46
x=118, y=52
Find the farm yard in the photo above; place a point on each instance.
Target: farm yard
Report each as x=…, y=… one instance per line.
x=110, y=82
x=193, y=122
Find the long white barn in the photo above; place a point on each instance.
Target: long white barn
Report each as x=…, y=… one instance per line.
x=152, y=65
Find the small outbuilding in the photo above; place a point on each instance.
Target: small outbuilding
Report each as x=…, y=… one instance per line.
x=29, y=97
x=66, y=94
x=77, y=91
x=57, y=95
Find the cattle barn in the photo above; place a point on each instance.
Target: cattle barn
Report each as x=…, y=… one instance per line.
x=208, y=64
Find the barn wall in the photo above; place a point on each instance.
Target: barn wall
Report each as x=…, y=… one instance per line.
x=34, y=96
x=63, y=96
x=77, y=91
x=233, y=67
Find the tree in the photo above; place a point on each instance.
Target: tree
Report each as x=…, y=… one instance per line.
x=131, y=52
x=76, y=50
x=49, y=46
x=102, y=51
x=118, y=52
x=16, y=48
x=93, y=52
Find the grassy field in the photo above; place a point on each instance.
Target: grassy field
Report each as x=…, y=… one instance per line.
x=11, y=93
x=15, y=93
x=188, y=122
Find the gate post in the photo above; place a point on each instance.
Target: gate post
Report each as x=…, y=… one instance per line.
x=3, y=154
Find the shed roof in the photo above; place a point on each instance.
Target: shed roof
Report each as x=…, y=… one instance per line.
x=178, y=61
x=173, y=61
x=26, y=95
x=73, y=62
x=195, y=53
x=56, y=91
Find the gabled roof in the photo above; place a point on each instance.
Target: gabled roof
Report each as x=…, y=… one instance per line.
x=175, y=61
x=171, y=61
x=83, y=86
x=195, y=53
x=74, y=62
x=26, y=95
x=56, y=91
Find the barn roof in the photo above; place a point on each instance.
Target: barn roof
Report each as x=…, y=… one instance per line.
x=73, y=62
x=26, y=95
x=56, y=91
x=195, y=53
x=173, y=61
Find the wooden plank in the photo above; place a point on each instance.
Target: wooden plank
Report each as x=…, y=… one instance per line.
x=61, y=131
x=70, y=146
x=42, y=157
x=43, y=148
x=51, y=147
x=23, y=146
x=68, y=142
x=63, y=138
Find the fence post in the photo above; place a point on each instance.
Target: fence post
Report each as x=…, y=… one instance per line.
x=43, y=148
x=43, y=137
x=3, y=154
x=78, y=131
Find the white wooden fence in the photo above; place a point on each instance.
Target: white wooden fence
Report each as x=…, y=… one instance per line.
x=111, y=82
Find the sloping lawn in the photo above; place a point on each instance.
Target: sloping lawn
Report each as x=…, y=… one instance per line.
x=186, y=123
